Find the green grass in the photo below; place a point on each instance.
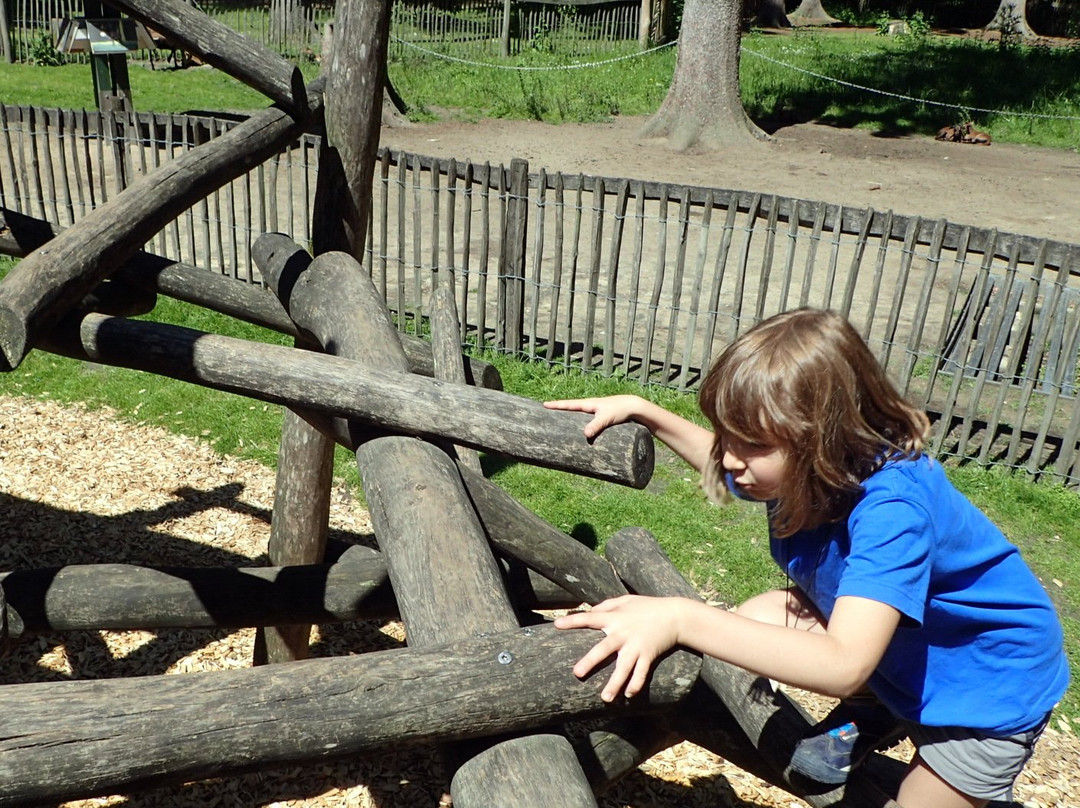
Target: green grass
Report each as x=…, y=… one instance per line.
x=777, y=85
x=843, y=79
x=721, y=549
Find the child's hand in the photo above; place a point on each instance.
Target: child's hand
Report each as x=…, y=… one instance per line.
x=607, y=411
x=639, y=629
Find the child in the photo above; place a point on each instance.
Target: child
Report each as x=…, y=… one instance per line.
x=898, y=585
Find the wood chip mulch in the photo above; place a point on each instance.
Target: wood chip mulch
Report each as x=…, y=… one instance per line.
x=81, y=486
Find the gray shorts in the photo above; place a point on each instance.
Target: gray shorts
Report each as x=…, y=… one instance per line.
x=974, y=763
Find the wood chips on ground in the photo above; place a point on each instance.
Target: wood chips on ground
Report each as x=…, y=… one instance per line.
x=80, y=486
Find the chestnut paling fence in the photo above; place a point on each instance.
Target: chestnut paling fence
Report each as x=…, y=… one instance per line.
x=630, y=278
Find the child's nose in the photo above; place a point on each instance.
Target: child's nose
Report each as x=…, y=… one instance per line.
x=732, y=462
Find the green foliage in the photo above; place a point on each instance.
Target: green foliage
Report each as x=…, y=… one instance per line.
x=43, y=52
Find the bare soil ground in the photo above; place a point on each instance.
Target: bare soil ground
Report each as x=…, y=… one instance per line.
x=78, y=486
x=1020, y=189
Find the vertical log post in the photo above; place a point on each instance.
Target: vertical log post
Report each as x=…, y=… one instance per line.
x=322, y=296
x=448, y=586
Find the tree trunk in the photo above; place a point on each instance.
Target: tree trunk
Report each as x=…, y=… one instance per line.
x=811, y=12
x=703, y=107
x=771, y=14
x=1011, y=20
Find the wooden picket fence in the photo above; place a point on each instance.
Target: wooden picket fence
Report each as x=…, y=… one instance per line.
x=476, y=28
x=627, y=278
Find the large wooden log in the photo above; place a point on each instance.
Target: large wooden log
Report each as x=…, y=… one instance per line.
x=355, y=70
x=50, y=281
x=446, y=351
x=520, y=534
x=217, y=44
x=483, y=419
x=127, y=596
x=298, y=525
x=448, y=587
x=20, y=235
x=121, y=597
x=772, y=722
x=324, y=297
x=63, y=740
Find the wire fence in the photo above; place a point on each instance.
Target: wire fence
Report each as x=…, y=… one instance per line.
x=621, y=277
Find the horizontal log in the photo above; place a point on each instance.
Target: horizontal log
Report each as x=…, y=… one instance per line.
x=482, y=419
x=49, y=282
x=62, y=740
x=20, y=235
x=121, y=597
x=217, y=44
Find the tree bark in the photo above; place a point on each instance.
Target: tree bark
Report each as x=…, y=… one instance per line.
x=63, y=740
x=1011, y=20
x=703, y=107
x=811, y=12
x=771, y=14
x=400, y=402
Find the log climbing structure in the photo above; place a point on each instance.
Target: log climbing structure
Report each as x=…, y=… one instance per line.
x=458, y=559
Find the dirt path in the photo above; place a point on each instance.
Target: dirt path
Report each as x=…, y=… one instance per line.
x=1016, y=188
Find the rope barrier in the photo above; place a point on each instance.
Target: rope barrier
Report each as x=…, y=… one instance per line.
x=526, y=68
x=902, y=97
x=819, y=76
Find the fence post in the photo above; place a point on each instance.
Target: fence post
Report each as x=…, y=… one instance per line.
x=512, y=259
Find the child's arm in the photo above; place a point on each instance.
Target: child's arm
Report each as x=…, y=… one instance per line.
x=688, y=440
x=836, y=662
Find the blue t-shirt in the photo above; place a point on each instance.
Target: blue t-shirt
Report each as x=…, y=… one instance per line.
x=979, y=643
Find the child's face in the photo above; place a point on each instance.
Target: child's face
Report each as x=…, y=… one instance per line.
x=757, y=470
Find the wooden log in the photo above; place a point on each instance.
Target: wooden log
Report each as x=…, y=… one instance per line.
x=20, y=235
x=401, y=402
x=207, y=724
x=618, y=747
x=520, y=534
x=51, y=280
x=448, y=587
x=298, y=525
x=448, y=584
x=324, y=297
x=217, y=44
x=355, y=73
x=446, y=351
x=121, y=597
x=771, y=721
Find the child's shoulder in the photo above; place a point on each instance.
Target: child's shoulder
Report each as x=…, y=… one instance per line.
x=907, y=477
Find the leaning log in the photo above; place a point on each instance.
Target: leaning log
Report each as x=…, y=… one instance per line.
x=217, y=44
x=772, y=722
x=51, y=280
x=62, y=740
x=520, y=534
x=483, y=419
x=20, y=235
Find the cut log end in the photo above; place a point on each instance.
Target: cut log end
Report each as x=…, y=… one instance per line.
x=13, y=339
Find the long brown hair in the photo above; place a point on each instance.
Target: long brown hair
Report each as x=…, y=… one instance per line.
x=805, y=382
